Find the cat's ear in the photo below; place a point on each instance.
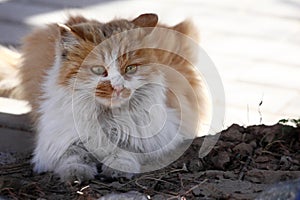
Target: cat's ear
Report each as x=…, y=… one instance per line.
x=76, y=20
x=83, y=31
x=146, y=20
x=188, y=28
x=67, y=37
x=181, y=40
x=63, y=28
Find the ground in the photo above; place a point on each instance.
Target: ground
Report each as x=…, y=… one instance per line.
x=255, y=47
x=244, y=162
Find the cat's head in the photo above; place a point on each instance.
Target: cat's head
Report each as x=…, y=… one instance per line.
x=109, y=61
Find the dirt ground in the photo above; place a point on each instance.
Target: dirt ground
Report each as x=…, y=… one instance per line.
x=244, y=163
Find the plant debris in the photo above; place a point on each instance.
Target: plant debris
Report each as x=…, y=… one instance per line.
x=243, y=163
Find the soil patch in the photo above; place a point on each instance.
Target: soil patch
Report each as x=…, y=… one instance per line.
x=243, y=163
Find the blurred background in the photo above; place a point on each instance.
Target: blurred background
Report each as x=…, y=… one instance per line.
x=255, y=45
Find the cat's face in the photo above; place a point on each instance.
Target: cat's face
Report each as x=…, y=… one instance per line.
x=114, y=80
x=97, y=61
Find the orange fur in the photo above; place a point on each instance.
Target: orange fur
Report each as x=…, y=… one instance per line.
x=104, y=90
x=94, y=56
x=39, y=53
x=185, y=89
x=38, y=56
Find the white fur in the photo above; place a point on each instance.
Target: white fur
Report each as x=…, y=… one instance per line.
x=143, y=130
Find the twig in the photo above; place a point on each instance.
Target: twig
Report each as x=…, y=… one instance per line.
x=191, y=189
x=94, y=182
x=35, y=187
x=273, y=142
x=176, y=170
x=141, y=186
x=83, y=188
x=243, y=170
x=259, y=111
x=181, y=182
x=271, y=153
x=9, y=191
x=80, y=192
x=160, y=180
x=188, y=191
x=150, y=178
x=11, y=169
x=170, y=172
x=29, y=196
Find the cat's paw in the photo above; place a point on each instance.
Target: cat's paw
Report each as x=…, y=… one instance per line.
x=120, y=166
x=109, y=173
x=79, y=173
x=76, y=171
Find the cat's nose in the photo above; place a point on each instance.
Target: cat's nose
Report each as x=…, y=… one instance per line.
x=118, y=89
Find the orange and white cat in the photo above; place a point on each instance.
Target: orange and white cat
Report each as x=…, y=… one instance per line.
x=97, y=98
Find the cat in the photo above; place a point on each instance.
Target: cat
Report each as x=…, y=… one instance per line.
x=98, y=96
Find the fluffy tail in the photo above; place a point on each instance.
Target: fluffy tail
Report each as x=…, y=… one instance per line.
x=9, y=70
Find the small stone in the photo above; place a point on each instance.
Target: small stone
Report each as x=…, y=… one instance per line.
x=243, y=149
x=221, y=160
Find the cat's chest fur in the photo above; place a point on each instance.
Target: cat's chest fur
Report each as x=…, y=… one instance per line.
x=124, y=108
x=143, y=125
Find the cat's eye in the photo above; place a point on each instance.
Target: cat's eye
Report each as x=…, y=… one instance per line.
x=99, y=70
x=130, y=69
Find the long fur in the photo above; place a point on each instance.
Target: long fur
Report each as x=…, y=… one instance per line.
x=77, y=127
